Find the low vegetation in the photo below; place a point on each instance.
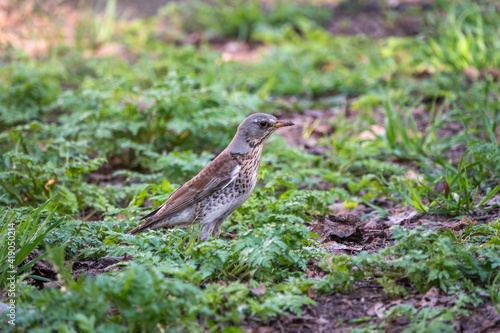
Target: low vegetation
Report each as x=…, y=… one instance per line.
x=400, y=133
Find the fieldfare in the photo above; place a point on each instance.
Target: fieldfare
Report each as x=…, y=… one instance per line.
x=222, y=186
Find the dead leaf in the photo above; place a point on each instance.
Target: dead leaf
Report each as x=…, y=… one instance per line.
x=50, y=182
x=410, y=174
x=126, y=257
x=471, y=74
x=367, y=135
x=329, y=67
x=332, y=246
x=433, y=298
x=408, y=215
x=455, y=225
x=310, y=292
x=261, y=290
x=242, y=52
x=446, y=188
x=494, y=73
x=342, y=225
x=347, y=218
x=494, y=201
x=263, y=329
x=376, y=310
x=372, y=133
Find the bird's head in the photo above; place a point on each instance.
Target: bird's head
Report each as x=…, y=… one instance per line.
x=255, y=129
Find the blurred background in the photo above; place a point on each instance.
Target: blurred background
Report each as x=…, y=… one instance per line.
x=37, y=25
x=106, y=107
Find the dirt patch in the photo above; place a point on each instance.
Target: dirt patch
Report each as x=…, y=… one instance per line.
x=105, y=174
x=234, y=50
x=310, y=127
x=34, y=26
x=347, y=234
x=344, y=311
x=364, y=229
x=378, y=19
x=44, y=269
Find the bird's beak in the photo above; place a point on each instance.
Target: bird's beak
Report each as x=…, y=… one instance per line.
x=282, y=123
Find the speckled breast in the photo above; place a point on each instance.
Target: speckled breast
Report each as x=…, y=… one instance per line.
x=223, y=202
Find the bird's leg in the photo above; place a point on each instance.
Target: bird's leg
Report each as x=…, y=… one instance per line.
x=217, y=227
x=206, y=231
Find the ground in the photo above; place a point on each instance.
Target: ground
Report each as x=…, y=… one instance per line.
x=377, y=211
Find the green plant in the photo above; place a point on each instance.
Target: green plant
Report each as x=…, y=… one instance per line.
x=460, y=195
x=427, y=258
x=21, y=233
x=34, y=176
x=464, y=36
x=391, y=289
x=425, y=319
x=495, y=293
x=109, y=138
x=134, y=299
x=402, y=135
x=30, y=89
x=242, y=18
x=93, y=31
x=459, y=188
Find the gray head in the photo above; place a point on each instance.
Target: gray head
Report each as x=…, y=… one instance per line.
x=254, y=131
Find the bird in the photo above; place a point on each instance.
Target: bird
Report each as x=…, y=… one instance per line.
x=222, y=186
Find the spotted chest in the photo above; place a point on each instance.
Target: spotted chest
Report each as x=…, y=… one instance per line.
x=224, y=201
x=248, y=171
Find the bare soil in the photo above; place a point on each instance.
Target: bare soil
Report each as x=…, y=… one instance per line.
x=371, y=18
x=342, y=312
x=347, y=234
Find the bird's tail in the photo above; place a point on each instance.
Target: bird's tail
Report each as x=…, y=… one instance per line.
x=137, y=229
x=146, y=225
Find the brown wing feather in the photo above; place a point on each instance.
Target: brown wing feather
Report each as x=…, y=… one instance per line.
x=214, y=176
x=145, y=217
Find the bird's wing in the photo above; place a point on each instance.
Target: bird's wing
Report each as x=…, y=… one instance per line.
x=216, y=175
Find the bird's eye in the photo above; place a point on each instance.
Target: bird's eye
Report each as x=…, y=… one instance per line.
x=263, y=124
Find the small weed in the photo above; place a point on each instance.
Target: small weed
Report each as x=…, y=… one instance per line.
x=21, y=232
x=451, y=191
x=391, y=289
x=464, y=36
x=244, y=18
